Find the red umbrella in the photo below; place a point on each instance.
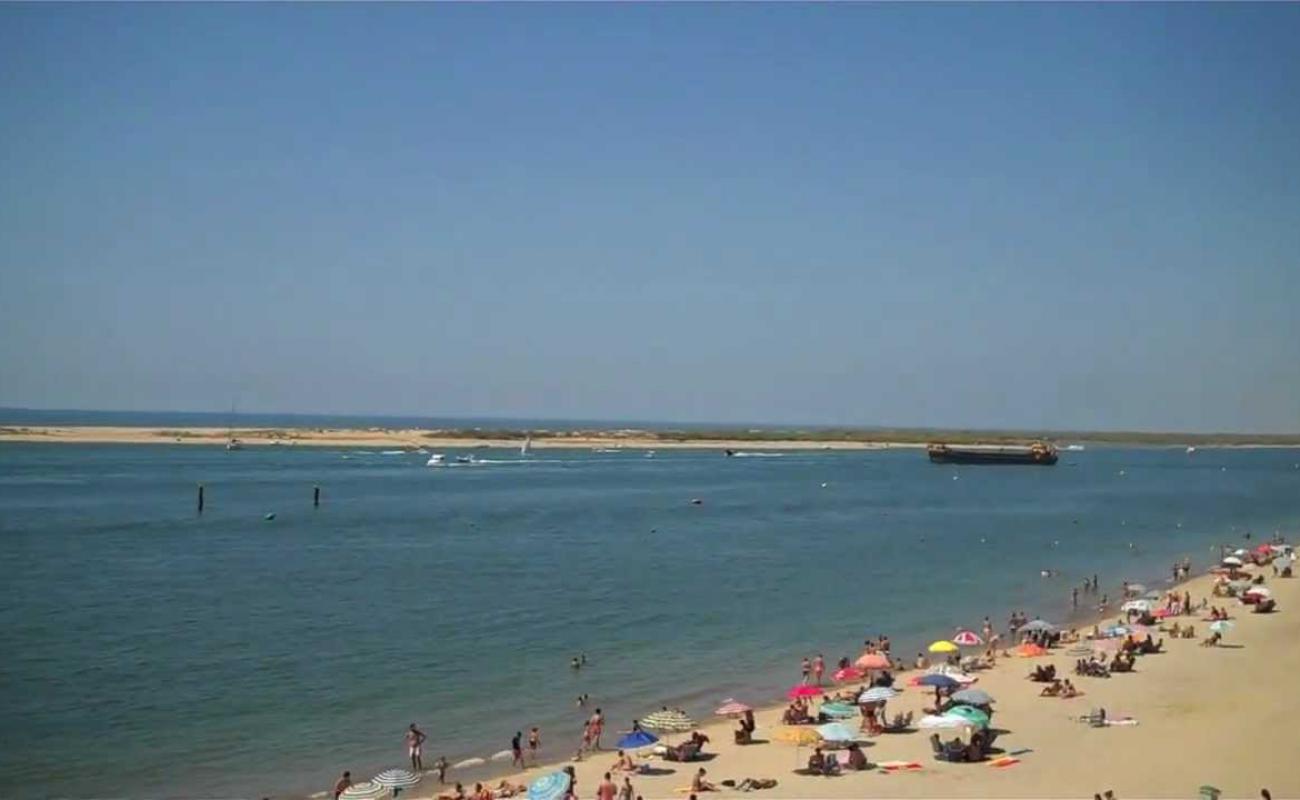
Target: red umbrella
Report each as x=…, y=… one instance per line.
x=848, y=674
x=872, y=661
x=967, y=639
x=803, y=690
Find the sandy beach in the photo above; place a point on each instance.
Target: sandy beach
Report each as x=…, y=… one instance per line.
x=1217, y=716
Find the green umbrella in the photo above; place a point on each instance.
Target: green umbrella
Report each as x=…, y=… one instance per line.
x=972, y=715
x=839, y=710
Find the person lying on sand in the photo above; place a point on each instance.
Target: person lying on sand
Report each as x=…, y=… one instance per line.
x=481, y=792
x=457, y=793
x=507, y=789
x=1068, y=689
x=624, y=763
x=1052, y=690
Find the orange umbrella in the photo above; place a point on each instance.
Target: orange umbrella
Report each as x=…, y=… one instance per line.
x=872, y=661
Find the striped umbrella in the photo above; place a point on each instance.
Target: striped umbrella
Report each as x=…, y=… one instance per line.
x=668, y=721
x=837, y=732
x=967, y=639
x=396, y=779
x=549, y=787
x=877, y=694
x=838, y=710
x=731, y=707
x=368, y=790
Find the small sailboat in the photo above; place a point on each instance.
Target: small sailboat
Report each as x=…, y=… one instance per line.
x=527, y=446
x=436, y=460
x=232, y=443
x=1190, y=450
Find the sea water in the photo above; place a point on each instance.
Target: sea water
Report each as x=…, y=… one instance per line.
x=151, y=650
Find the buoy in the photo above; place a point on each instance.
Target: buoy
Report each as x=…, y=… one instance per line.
x=269, y=516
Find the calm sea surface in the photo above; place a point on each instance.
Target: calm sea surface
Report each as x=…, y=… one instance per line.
x=153, y=651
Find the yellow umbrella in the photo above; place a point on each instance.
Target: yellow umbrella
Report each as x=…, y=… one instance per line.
x=797, y=736
x=943, y=646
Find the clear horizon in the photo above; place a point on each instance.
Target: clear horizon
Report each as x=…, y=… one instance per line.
x=1044, y=217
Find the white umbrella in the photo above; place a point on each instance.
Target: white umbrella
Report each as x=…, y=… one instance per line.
x=932, y=722
x=1137, y=605
x=668, y=721
x=1232, y=561
x=877, y=694
x=367, y=790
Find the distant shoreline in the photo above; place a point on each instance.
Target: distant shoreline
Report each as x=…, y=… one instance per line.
x=614, y=438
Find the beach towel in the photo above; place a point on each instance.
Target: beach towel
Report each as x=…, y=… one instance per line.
x=899, y=766
x=1120, y=723
x=1004, y=761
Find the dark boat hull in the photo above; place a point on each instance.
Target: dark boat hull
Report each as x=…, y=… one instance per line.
x=952, y=455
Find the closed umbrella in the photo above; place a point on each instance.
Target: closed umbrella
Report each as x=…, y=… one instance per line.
x=943, y=646
x=839, y=710
x=877, y=694
x=367, y=790
x=549, y=787
x=396, y=779
x=636, y=739
x=837, y=732
x=974, y=697
x=731, y=707
x=967, y=639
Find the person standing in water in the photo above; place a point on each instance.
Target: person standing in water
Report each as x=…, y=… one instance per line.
x=818, y=667
x=534, y=742
x=517, y=750
x=415, y=739
x=596, y=725
x=343, y=784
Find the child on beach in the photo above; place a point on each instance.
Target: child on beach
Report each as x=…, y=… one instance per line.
x=440, y=766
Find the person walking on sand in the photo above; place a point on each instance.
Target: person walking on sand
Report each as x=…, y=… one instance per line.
x=343, y=784
x=626, y=792
x=606, y=790
x=819, y=668
x=596, y=725
x=534, y=742
x=517, y=750
x=415, y=739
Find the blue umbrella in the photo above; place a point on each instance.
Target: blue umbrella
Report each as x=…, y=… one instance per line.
x=974, y=697
x=635, y=739
x=549, y=787
x=938, y=681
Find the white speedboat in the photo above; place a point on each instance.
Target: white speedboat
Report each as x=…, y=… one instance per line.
x=436, y=460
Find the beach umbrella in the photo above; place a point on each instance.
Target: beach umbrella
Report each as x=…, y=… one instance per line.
x=839, y=710
x=877, y=694
x=803, y=690
x=1153, y=595
x=397, y=779
x=1137, y=605
x=367, y=790
x=974, y=697
x=938, y=681
x=1231, y=561
x=731, y=707
x=636, y=739
x=551, y=786
x=793, y=734
x=849, y=674
x=930, y=721
x=837, y=732
x=943, y=646
x=972, y=715
x=1037, y=625
x=871, y=661
x=1221, y=626
x=967, y=639
x=1240, y=551
x=469, y=762
x=668, y=721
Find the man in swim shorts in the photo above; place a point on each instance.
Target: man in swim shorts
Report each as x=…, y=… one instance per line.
x=415, y=739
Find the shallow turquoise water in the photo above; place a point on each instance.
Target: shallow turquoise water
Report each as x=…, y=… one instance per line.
x=166, y=653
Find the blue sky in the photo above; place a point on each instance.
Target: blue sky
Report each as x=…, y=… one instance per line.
x=1030, y=216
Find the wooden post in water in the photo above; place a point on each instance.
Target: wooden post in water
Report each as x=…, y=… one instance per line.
x=200, y=498
x=315, y=497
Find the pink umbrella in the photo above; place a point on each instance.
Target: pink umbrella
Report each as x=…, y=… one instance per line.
x=848, y=674
x=872, y=661
x=967, y=639
x=803, y=690
x=731, y=707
